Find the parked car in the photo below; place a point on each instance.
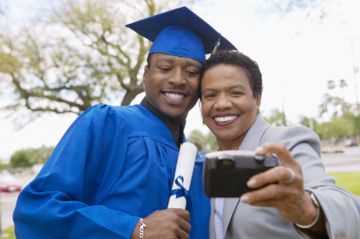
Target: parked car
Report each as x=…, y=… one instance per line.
x=8, y=183
x=350, y=143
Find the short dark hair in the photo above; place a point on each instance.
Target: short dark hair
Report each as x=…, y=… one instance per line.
x=237, y=58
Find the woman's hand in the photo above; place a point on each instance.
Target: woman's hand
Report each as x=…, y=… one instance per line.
x=282, y=187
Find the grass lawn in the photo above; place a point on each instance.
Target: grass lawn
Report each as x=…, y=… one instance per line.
x=8, y=233
x=348, y=180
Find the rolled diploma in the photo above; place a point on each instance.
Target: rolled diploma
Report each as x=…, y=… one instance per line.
x=184, y=167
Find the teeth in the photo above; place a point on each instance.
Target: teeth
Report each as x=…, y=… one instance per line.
x=222, y=119
x=174, y=96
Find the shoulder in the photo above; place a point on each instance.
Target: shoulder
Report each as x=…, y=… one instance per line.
x=292, y=136
x=102, y=119
x=101, y=112
x=292, y=131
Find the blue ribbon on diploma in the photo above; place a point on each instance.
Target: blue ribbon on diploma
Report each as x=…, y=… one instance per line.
x=181, y=191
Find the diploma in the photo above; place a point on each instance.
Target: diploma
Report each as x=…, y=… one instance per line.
x=183, y=173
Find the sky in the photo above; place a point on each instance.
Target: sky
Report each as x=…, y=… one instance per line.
x=297, y=53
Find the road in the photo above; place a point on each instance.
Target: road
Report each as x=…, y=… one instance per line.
x=8, y=201
x=343, y=162
x=347, y=161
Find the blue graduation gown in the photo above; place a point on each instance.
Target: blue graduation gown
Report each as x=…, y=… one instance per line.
x=112, y=166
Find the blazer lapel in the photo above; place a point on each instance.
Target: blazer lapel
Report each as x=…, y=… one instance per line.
x=212, y=221
x=250, y=142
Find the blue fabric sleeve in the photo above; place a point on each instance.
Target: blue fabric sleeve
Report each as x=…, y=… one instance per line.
x=64, y=200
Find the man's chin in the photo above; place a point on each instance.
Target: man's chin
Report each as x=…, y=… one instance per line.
x=176, y=114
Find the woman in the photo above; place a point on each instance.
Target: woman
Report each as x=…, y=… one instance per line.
x=294, y=199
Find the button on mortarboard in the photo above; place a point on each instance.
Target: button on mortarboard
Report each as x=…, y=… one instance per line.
x=180, y=32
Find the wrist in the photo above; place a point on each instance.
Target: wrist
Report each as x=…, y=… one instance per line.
x=315, y=204
x=139, y=230
x=142, y=226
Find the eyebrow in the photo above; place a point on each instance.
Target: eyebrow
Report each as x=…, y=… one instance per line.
x=227, y=88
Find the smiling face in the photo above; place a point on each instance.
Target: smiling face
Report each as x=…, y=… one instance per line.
x=171, y=84
x=229, y=107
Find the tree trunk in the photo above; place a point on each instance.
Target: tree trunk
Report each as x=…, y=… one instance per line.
x=130, y=95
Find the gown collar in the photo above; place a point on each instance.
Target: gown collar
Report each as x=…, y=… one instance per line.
x=176, y=126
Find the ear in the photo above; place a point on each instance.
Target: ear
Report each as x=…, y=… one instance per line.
x=146, y=74
x=258, y=100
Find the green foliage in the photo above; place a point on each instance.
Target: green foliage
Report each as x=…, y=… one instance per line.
x=8, y=63
x=20, y=159
x=348, y=180
x=277, y=117
x=354, y=120
x=8, y=233
x=341, y=119
x=337, y=127
x=308, y=122
x=28, y=157
x=204, y=142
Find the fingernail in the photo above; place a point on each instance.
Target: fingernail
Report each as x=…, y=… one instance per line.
x=259, y=149
x=251, y=183
x=244, y=198
x=266, y=144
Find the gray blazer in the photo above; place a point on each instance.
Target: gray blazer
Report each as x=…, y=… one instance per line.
x=341, y=208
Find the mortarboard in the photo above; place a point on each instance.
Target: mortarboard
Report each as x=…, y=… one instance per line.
x=180, y=32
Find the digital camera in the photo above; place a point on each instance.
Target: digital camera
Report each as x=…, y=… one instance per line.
x=227, y=172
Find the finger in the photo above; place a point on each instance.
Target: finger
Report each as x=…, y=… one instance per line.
x=292, y=176
x=279, y=149
x=271, y=176
x=182, y=218
x=267, y=193
x=184, y=225
x=182, y=234
x=184, y=214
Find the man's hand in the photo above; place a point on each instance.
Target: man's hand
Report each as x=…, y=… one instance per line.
x=167, y=224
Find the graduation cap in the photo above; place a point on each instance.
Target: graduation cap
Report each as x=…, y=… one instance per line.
x=180, y=32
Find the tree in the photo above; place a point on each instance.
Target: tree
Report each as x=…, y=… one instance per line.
x=354, y=120
x=341, y=119
x=20, y=159
x=81, y=55
x=277, y=117
x=28, y=157
x=286, y=6
x=334, y=105
x=204, y=142
x=308, y=122
x=2, y=166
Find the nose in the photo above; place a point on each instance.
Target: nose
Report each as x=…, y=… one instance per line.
x=178, y=77
x=222, y=102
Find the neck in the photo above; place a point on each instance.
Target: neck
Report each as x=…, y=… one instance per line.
x=176, y=126
x=230, y=145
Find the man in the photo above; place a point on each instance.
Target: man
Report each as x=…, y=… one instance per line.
x=111, y=174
